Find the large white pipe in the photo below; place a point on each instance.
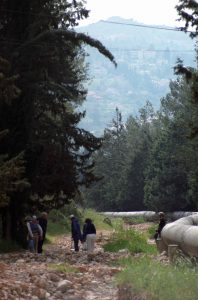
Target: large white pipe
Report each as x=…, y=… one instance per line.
x=184, y=233
x=148, y=215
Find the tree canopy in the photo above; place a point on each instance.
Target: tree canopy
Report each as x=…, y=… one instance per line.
x=152, y=163
x=39, y=40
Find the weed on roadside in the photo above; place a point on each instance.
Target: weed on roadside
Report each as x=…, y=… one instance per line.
x=64, y=268
x=159, y=281
x=130, y=239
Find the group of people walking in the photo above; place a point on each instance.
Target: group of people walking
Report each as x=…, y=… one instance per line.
x=87, y=237
x=37, y=227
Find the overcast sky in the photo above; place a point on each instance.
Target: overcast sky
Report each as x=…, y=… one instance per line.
x=155, y=12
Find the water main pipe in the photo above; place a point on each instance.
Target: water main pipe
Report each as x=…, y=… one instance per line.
x=184, y=233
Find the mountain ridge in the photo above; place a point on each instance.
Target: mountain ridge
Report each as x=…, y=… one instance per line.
x=145, y=57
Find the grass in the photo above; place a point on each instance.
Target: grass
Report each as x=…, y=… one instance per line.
x=152, y=230
x=131, y=240
x=55, y=229
x=134, y=220
x=63, y=268
x=160, y=281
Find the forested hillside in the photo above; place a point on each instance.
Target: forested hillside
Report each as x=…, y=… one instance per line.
x=150, y=161
x=145, y=57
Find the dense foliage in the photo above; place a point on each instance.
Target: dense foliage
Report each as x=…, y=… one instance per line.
x=151, y=161
x=157, y=167
x=11, y=170
x=39, y=41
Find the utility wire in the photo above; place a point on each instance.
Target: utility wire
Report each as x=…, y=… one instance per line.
x=18, y=42
x=145, y=26
x=149, y=50
x=105, y=21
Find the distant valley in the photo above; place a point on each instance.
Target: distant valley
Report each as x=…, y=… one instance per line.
x=145, y=57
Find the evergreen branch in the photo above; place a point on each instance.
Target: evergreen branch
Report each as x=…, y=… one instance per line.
x=73, y=36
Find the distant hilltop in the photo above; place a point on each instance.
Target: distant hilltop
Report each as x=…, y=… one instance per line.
x=126, y=21
x=146, y=58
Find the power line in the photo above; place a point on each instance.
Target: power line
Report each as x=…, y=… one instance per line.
x=149, y=50
x=145, y=26
x=104, y=21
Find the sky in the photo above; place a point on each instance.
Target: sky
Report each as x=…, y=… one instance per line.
x=155, y=12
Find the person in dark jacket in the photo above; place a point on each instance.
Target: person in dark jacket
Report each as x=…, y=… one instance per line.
x=162, y=223
x=75, y=232
x=43, y=223
x=89, y=234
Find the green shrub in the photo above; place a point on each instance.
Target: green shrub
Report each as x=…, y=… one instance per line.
x=152, y=230
x=131, y=240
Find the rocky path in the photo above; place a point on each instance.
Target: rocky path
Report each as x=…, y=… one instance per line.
x=27, y=276
x=61, y=274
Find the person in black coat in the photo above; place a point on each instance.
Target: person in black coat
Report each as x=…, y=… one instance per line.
x=75, y=232
x=162, y=223
x=89, y=234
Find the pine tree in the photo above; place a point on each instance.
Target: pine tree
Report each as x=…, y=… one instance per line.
x=188, y=12
x=39, y=39
x=11, y=168
x=172, y=169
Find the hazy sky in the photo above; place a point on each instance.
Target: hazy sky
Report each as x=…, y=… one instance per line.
x=158, y=12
